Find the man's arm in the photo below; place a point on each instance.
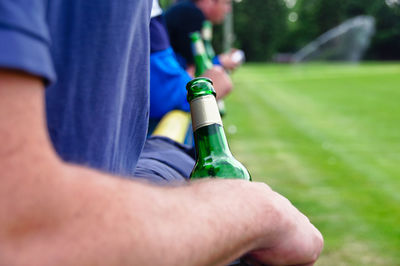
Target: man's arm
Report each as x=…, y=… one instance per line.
x=53, y=213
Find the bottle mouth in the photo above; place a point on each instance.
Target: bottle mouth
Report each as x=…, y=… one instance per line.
x=199, y=87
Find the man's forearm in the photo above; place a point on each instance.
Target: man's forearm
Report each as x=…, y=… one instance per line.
x=51, y=211
x=77, y=216
x=84, y=217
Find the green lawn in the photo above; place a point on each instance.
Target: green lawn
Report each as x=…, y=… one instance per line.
x=328, y=138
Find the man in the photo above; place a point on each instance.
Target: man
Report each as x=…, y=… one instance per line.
x=60, y=201
x=167, y=78
x=188, y=16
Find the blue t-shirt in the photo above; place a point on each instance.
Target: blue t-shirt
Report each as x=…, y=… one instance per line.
x=167, y=78
x=94, y=56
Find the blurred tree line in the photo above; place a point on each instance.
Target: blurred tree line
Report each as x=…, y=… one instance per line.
x=264, y=28
x=318, y=16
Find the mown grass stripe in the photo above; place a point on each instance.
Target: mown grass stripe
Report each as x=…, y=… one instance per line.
x=287, y=130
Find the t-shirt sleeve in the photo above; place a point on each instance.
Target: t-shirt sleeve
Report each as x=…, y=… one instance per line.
x=25, y=38
x=164, y=161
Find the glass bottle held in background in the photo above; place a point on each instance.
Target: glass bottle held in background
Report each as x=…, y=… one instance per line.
x=201, y=60
x=207, y=35
x=214, y=158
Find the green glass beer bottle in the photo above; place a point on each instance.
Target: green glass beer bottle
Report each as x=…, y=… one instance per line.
x=214, y=159
x=201, y=60
x=207, y=35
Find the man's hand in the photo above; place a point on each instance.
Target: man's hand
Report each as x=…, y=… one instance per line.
x=295, y=241
x=229, y=61
x=221, y=81
x=274, y=232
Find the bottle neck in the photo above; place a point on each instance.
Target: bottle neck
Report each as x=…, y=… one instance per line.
x=210, y=141
x=208, y=131
x=201, y=60
x=204, y=111
x=209, y=50
x=206, y=33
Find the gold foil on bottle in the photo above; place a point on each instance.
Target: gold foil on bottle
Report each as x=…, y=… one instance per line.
x=204, y=112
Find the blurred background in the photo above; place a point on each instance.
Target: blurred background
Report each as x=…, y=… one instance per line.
x=267, y=28
x=287, y=26
x=316, y=115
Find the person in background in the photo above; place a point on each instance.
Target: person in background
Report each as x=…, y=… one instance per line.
x=167, y=78
x=73, y=121
x=188, y=16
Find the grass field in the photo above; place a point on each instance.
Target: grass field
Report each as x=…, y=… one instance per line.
x=328, y=138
